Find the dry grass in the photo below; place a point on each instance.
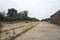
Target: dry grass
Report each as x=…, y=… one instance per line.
x=25, y=29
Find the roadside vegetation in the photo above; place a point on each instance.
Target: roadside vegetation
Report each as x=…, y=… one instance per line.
x=25, y=29
x=13, y=15
x=21, y=19
x=46, y=19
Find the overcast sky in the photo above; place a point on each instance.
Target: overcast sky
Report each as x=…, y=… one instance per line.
x=37, y=8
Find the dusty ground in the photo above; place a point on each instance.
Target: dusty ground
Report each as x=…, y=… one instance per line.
x=43, y=31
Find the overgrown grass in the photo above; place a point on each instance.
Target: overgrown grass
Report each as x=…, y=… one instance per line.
x=25, y=29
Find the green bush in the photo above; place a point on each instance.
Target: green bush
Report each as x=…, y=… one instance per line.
x=32, y=19
x=1, y=17
x=46, y=19
x=10, y=19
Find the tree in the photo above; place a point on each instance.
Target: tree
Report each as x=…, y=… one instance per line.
x=32, y=19
x=1, y=17
x=12, y=12
x=25, y=13
x=21, y=16
x=46, y=19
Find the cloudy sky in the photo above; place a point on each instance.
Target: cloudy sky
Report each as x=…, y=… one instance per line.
x=37, y=8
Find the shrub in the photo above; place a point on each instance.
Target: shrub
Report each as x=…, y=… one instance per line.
x=1, y=17
x=46, y=19
x=10, y=19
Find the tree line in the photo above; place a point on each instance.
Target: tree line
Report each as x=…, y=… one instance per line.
x=13, y=15
x=46, y=19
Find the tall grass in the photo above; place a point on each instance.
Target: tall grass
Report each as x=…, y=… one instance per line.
x=24, y=29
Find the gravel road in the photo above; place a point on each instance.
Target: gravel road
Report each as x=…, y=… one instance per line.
x=43, y=31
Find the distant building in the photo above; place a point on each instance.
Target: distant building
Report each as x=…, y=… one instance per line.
x=55, y=18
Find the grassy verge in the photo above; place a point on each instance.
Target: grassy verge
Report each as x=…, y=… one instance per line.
x=25, y=29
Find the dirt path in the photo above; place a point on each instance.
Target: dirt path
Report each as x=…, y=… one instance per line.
x=43, y=31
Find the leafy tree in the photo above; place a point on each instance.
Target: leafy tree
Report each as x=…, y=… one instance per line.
x=46, y=19
x=25, y=13
x=12, y=12
x=32, y=19
x=1, y=17
x=21, y=16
